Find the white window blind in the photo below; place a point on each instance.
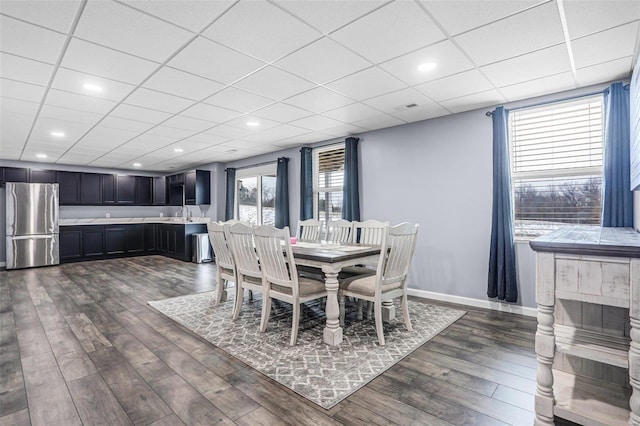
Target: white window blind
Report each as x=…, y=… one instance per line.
x=556, y=160
x=328, y=182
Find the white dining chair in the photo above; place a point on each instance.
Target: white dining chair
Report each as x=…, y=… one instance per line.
x=339, y=231
x=368, y=232
x=390, y=279
x=309, y=230
x=280, y=276
x=225, y=270
x=245, y=257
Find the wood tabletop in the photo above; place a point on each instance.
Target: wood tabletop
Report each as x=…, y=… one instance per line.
x=332, y=252
x=590, y=240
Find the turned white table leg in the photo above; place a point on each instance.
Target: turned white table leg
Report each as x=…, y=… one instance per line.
x=634, y=372
x=545, y=349
x=332, y=332
x=388, y=310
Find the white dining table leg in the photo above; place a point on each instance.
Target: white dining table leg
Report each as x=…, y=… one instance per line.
x=332, y=332
x=388, y=310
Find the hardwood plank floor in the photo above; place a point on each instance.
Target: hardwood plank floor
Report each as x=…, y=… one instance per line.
x=79, y=344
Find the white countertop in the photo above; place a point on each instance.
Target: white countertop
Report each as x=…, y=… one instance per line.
x=131, y=220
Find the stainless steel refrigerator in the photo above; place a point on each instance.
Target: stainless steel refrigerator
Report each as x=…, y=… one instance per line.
x=32, y=224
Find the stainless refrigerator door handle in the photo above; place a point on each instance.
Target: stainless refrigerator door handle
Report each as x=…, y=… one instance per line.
x=31, y=237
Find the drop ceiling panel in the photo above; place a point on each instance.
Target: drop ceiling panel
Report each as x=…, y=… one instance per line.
x=205, y=138
x=125, y=124
x=66, y=114
x=397, y=101
x=74, y=81
x=14, y=136
x=530, y=89
x=281, y=112
x=145, y=144
x=214, y=61
x=379, y=122
x=465, y=83
x=343, y=130
x=23, y=91
x=229, y=132
x=106, y=138
x=55, y=15
x=412, y=29
x=419, y=113
x=19, y=106
x=475, y=101
x=606, y=46
x=319, y=100
x=140, y=114
x=447, y=58
x=137, y=33
x=97, y=60
x=195, y=16
x=44, y=126
x=515, y=35
x=274, y=83
x=26, y=70
x=317, y=123
x=353, y=112
x=187, y=123
x=614, y=70
x=78, y=102
x=307, y=138
x=179, y=83
x=159, y=101
x=542, y=63
x=169, y=132
x=30, y=41
x=587, y=17
x=274, y=33
x=323, y=61
x=238, y=100
x=367, y=84
x=211, y=113
x=241, y=123
x=463, y=15
x=280, y=132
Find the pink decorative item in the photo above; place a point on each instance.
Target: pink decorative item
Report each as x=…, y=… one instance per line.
x=293, y=240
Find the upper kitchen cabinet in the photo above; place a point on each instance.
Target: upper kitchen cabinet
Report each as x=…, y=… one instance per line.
x=69, y=183
x=119, y=190
x=90, y=184
x=14, y=174
x=144, y=190
x=197, y=187
x=43, y=176
x=159, y=191
x=108, y=189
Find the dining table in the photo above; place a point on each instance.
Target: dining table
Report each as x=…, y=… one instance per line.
x=331, y=258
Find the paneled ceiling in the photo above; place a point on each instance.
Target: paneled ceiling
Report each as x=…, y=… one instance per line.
x=172, y=84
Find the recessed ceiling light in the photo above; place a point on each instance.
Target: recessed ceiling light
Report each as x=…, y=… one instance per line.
x=92, y=87
x=137, y=165
x=58, y=134
x=177, y=150
x=41, y=155
x=427, y=66
x=253, y=123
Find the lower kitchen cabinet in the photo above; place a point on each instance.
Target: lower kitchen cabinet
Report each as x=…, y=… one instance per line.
x=175, y=240
x=70, y=244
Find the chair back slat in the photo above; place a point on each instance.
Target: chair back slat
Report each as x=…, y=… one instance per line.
x=275, y=259
x=369, y=232
x=240, y=238
x=401, y=243
x=339, y=231
x=219, y=244
x=309, y=230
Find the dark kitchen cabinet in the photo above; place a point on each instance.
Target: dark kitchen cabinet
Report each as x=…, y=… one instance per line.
x=69, y=187
x=115, y=240
x=134, y=235
x=150, y=237
x=144, y=190
x=42, y=176
x=177, y=179
x=93, y=241
x=174, y=240
x=159, y=191
x=125, y=189
x=15, y=174
x=108, y=189
x=197, y=187
x=70, y=244
x=90, y=189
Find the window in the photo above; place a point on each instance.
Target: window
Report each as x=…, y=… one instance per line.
x=256, y=195
x=556, y=161
x=328, y=181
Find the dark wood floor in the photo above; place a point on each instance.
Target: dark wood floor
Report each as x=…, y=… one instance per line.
x=79, y=345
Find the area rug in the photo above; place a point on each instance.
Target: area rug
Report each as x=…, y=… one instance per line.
x=321, y=373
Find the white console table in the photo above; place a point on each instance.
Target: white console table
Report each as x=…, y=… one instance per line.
x=588, y=296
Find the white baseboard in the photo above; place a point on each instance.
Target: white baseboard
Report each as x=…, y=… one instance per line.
x=478, y=303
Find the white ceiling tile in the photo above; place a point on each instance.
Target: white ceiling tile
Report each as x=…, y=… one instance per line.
x=397, y=101
x=205, y=138
x=179, y=83
x=228, y=131
x=23, y=91
x=186, y=123
x=280, y=132
x=274, y=83
x=155, y=100
x=329, y=15
x=618, y=69
x=19, y=107
x=191, y=14
x=211, y=113
x=529, y=89
x=14, y=136
x=30, y=41
x=79, y=102
x=344, y=130
x=323, y=61
x=370, y=36
x=189, y=147
x=241, y=144
x=140, y=114
x=447, y=57
x=274, y=33
x=281, y=112
x=238, y=100
x=379, y=122
x=104, y=138
x=589, y=16
x=319, y=100
x=367, y=84
x=475, y=101
x=465, y=83
x=100, y=61
x=317, y=123
x=212, y=60
x=73, y=81
x=72, y=131
x=420, y=113
x=462, y=15
x=241, y=123
x=542, y=63
x=25, y=70
x=307, y=138
x=605, y=46
x=125, y=124
x=170, y=132
x=66, y=114
x=147, y=143
x=516, y=35
x=353, y=112
x=119, y=27
x=55, y=15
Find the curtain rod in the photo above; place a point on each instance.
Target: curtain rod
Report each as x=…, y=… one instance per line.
x=254, y=165
x=325, y=144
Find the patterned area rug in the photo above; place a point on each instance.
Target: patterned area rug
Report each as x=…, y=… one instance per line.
x=321, y=373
